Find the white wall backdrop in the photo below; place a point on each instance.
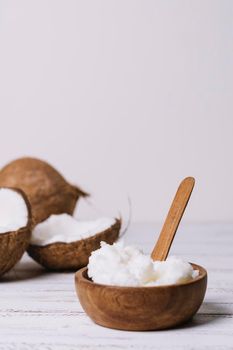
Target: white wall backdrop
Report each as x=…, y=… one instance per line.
x=124, y=97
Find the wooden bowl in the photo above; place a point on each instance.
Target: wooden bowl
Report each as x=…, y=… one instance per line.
x=141, y=308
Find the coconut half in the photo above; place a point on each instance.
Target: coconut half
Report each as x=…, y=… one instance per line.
x=47, y=190
x=63, y=243
x=15, y=227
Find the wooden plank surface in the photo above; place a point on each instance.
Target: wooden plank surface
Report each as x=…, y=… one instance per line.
x=39, y=310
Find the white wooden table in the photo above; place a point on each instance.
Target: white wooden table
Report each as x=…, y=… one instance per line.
x=39, y=310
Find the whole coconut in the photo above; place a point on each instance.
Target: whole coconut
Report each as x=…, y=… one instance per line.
x=47, y=190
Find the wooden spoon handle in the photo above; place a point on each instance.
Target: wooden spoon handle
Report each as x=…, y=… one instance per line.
x=162, y=247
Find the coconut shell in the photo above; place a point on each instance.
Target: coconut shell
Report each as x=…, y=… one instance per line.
x=14, y=244
x=74, y=255
x=48, y=192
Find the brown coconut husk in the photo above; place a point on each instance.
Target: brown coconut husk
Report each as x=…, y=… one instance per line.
x=14, y=244
x=74, y=255
x=47, y=190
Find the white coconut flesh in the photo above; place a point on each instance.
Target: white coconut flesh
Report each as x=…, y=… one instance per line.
x=64, y=228
x=13, y=211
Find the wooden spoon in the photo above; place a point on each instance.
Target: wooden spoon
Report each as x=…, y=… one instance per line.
x=176, y=211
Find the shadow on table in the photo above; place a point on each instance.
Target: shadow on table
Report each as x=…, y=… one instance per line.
x=208, y=313
x=27, y=269
x=24, y=270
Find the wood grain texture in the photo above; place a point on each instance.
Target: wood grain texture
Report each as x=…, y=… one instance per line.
x=174, y=216
x=141, y=308
x=40, y=310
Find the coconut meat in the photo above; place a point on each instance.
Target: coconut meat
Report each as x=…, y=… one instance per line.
x=13, y=211
x=64, y=228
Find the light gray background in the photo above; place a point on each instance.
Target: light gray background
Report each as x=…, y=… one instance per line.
x=124, y=97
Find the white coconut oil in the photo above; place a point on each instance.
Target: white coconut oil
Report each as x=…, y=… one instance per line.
x=122, y=265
